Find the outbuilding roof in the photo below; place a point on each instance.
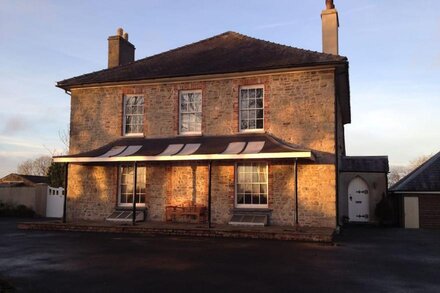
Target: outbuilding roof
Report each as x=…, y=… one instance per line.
x=20, y=179
x=229, y=52
x=425, y=178
x=187, y=148
x=375, y=164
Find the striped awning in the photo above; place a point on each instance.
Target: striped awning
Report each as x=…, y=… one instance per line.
x=190, y=148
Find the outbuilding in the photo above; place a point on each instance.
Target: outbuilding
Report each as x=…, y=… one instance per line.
x=362, y=185
x=418, y=195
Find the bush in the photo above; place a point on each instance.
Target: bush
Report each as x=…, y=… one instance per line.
x=11, y=210
x=384, y=211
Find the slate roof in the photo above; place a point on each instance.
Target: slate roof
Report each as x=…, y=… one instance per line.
x=376, y=164
x=229, y=52
x=424, y=178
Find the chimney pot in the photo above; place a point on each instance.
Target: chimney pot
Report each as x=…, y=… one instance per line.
x=329, y=4
x=125, y=36
x=330, y=24
x=119, y=31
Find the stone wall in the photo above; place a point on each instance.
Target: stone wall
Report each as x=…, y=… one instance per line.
x=317, y=195
x=299, y=108
x=91, y=192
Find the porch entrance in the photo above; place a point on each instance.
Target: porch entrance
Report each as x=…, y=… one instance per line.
x=358, y=200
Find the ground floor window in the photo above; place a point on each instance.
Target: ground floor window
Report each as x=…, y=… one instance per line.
x=126, y=185
x=251, y=185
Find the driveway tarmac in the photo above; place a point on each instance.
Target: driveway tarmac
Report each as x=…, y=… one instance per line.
x=363, y=259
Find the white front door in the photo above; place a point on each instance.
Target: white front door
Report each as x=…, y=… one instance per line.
x=358, y=200
x=411, y=210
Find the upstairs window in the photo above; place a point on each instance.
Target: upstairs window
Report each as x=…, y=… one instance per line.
x=251, y=108
x=133, y=115
x=190, y=112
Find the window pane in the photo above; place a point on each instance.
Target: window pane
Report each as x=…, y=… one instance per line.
x=263, y=199
x=259, y=114
x=255, y=199
x=198, y=98
x=244, y=124
x=240, y=198
x=191, y=107
x=244, y=104
x=247, y=199
x=259, y=93
x=255, y=188
x=251, y=93
x=248, y=188
x=259, y=103
x=244, y=94
x=260, y=123
x=252, y=103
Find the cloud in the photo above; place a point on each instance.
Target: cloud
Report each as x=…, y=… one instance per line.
x=12, y=143
x=15, y=124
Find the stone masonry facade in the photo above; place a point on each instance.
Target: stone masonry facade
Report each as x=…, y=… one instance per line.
x=299, y=107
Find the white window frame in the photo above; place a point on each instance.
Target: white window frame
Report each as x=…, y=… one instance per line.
x=180, y=112
x=258, y=86
x=252, y=206
x=120, y=187
x=124, y=121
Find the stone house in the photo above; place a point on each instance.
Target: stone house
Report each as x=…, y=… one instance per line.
x=240, y=125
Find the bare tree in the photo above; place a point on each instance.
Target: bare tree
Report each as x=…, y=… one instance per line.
x=39, y=166
x=64, y=136
x=398, y=172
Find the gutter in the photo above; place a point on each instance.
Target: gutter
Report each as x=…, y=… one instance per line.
x=204, y=77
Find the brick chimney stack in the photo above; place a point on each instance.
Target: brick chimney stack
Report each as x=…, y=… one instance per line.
x=120, y=50
x=330, y=24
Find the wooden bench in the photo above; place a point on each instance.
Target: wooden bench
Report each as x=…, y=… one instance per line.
x=186, y=213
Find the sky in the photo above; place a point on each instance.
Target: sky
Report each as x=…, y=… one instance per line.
x=393, y=48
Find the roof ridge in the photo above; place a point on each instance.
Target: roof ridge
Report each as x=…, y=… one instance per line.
x=415, y=172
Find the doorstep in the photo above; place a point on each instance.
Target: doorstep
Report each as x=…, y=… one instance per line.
x=304, y=234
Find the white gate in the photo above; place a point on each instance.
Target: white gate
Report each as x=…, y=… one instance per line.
x=358, y=200
x=55, y=202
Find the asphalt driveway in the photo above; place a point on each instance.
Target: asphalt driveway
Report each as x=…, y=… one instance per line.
x=363, y=259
